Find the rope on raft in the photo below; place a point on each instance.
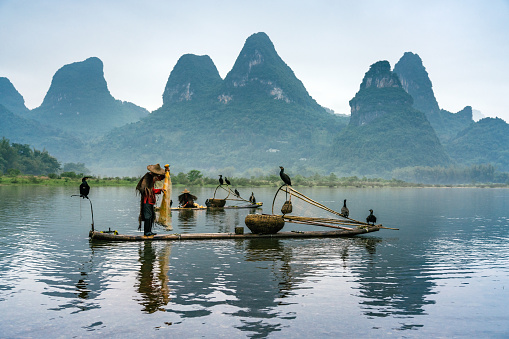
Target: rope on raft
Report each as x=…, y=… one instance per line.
x=326, y=222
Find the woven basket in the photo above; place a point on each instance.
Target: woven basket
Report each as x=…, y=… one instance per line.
x=287, y=207
x=264, y=224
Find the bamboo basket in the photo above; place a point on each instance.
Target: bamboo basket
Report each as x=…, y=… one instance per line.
x=287, y=207
x=264, y=224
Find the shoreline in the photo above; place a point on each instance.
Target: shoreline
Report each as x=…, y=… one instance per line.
x=27, y=180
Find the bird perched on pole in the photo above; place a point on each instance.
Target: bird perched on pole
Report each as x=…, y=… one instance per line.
x=84, y=188
x=286, y=179
x=221, y=179
x=237, y=193
x=344, y=210
x=227, y=181
x=371, y=218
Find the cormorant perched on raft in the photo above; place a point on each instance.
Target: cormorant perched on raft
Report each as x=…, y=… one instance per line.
x=237, y=193
x=371, y=218
x=84, y=188
x=286, y=179
x=252, y=198
x=344, y=210
x=227, y=181
x=221, y=179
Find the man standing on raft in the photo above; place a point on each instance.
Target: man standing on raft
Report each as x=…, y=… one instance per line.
x=147, y=192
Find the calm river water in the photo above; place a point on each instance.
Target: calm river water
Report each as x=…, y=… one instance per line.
x=445, y=273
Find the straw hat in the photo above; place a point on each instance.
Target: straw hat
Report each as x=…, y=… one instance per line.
x=156, y=169
x=185, y=191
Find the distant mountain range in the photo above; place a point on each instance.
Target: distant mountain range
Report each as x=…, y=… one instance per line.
x=416, y=82
x=258, y=117
x=385, y=132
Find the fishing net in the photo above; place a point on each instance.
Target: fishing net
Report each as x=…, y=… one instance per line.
x=165, y=208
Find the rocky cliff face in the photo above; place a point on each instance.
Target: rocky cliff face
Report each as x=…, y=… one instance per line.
x=260, y=73
x=10, y=98
x=193, y=78
x=416, y=82
x=379, y=91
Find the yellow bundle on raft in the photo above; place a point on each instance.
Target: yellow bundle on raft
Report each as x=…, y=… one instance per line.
x=165, y=208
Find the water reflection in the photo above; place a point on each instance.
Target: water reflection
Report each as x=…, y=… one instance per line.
x=187, y=219
x=396, y=286
x=246, y=278
x=153, y=281
x=82, y=286
x=442, y=274
x=258, y=293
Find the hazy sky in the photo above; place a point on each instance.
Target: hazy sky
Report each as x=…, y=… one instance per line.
x=329, y=45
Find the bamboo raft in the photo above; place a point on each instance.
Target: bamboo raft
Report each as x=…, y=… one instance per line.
x=257, y=205
x=265, y=225
x=99, y=236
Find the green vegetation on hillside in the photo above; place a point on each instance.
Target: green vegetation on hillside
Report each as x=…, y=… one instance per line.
x=18, y=158
x=79, y=102
x=486, y=141
x=398, y=139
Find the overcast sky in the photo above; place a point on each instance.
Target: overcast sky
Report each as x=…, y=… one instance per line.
x=329, y=45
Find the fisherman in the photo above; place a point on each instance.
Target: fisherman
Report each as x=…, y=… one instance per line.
x=186, y=199
x=252, y=198
x=147, y=192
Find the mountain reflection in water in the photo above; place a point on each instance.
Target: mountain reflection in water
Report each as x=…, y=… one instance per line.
x=441, y=275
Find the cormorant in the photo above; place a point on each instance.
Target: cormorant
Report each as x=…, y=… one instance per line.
x=252, y=198
x=371, y=218
x=286, y=179
x=344, y=210
x=220, y=179
x=237, y=193
x=84, y=188
x=227, y=181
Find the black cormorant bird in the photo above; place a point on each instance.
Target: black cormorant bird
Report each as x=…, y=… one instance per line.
x=371, y=218
x=84, y=188
x=237, y=193
x=227, y=181
x=344, y=210
x=286, y=179
x=252, y=198
x=220, y=179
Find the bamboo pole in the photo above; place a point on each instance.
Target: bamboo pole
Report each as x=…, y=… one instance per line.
x=325, y=222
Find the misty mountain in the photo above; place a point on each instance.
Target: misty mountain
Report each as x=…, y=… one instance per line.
x=486, y=141
x=79, y=102
x=10, y=98
x=193, y=78
x=385, y=132
x=259, y=116
x=27, y=131
x=416, y=82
